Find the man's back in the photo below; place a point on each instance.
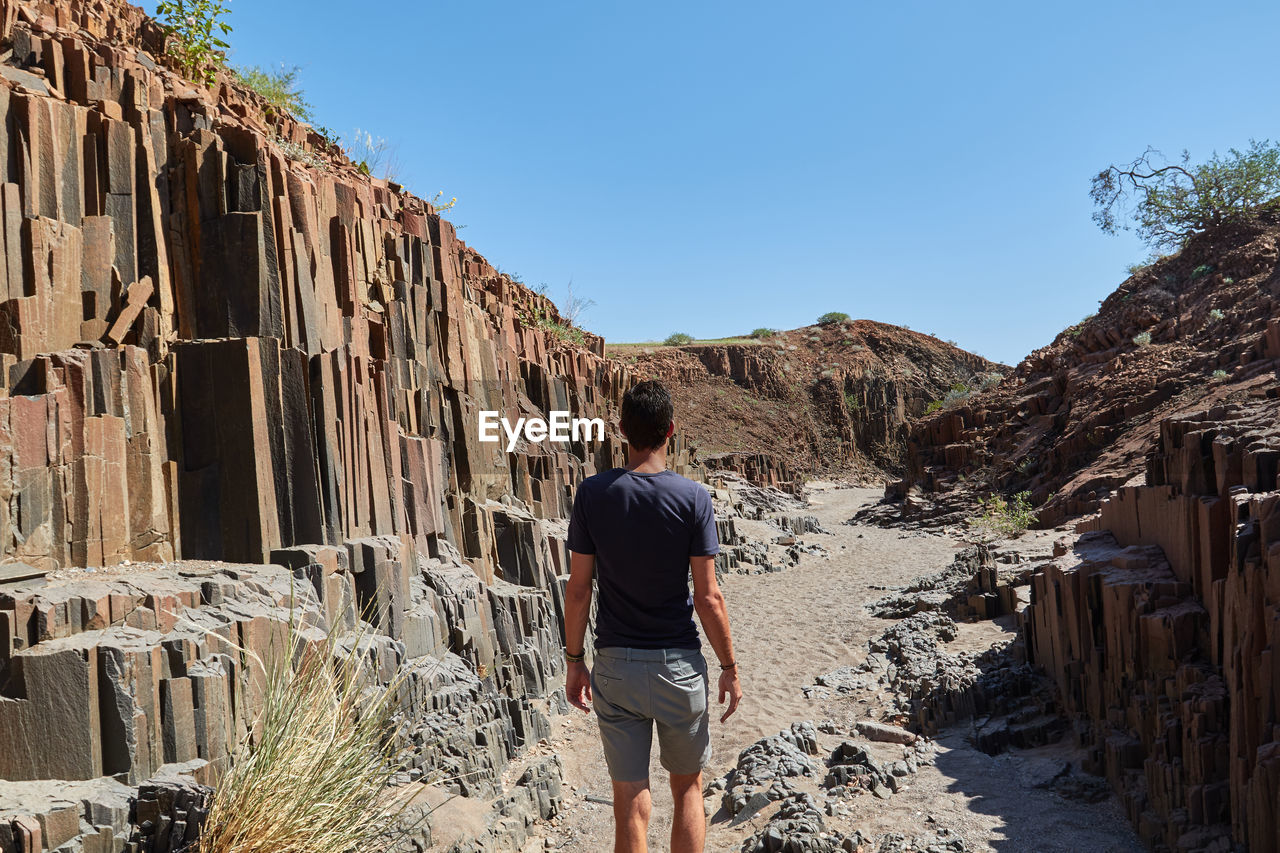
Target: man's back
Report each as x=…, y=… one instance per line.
x=642, y=529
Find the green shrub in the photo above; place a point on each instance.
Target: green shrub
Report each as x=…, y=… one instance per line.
x=1171, y=202
x=1142, y=339
x=280, y=89
x=1201, y=271
x=958, y=393
x=851, y=401
x=763, y=332
x=1216, y=315
x=677, y=339
x=832, y=317
x=567, y=333
x=1219, y=375
x=1002, y=518
x=196, y=27
x=991, y=380
x=540, y=317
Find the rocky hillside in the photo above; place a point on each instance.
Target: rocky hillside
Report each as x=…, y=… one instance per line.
x=830, y=399
x=1077, y=418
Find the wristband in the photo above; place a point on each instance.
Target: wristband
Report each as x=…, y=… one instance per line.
x=571, y=658
x=731, y=665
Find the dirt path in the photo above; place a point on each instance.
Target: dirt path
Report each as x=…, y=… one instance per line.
x=792, y=626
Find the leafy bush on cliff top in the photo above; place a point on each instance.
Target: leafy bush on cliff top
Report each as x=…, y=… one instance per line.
x=678, y=339
x=832, y=317
x=196, y=29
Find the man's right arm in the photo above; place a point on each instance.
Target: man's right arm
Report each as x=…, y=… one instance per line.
x=708, y=601
x=577, y=612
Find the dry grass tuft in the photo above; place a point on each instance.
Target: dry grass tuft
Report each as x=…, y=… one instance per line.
x=315, y=778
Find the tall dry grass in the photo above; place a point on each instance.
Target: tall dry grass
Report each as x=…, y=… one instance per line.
x=315, y=778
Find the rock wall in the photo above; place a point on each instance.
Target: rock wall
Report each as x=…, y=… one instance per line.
x=762, y=469
x=220, y=343
x=1160, y=623
x=112, y=679
x=240, y=384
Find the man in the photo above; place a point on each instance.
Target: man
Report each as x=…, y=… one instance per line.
x=640, y=531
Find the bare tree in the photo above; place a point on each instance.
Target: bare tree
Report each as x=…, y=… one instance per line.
x=576, y=306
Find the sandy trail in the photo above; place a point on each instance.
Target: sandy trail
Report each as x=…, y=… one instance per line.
x=792, y=626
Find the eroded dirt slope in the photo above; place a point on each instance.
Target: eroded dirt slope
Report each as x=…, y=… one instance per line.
x=829, y=399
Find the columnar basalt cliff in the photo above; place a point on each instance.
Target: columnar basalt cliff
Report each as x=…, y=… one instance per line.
x=241, y=381
x=832, y=399
x=1159, y=625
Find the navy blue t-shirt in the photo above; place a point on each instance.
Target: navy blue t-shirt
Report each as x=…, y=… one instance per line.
x=642, y=529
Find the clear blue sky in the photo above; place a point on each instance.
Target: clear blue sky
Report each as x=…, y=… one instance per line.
x=712, y=167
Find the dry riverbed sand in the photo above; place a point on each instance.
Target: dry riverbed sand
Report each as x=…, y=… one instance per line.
x=792, y=626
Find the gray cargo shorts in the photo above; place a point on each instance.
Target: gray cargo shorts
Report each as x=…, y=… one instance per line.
x=632, y=689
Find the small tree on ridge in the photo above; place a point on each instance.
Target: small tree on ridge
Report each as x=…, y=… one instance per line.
x=1172, y=202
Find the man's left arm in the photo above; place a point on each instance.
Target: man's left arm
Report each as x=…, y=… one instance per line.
x=577, y=610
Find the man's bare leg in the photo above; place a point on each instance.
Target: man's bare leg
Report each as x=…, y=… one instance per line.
x=632, y=806
x=689, y=824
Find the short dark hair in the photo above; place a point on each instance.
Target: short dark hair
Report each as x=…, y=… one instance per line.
x=646, y=415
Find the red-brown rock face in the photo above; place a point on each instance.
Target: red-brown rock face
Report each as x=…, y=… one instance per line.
x=214, y=349
x=1075, y=419
x=823, y=399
